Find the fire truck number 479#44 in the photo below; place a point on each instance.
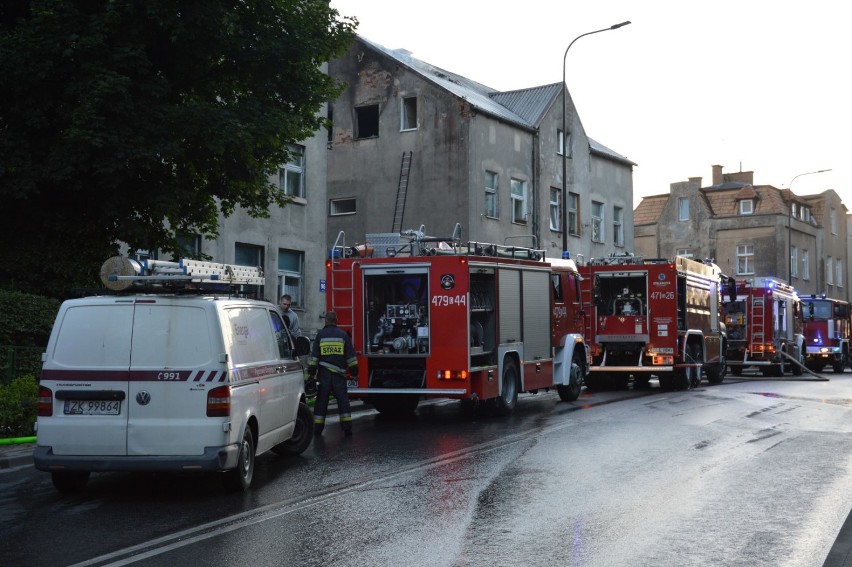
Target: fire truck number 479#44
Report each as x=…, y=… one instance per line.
x=433, y=317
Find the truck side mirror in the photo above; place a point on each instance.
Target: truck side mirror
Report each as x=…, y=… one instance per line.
x=811, y=311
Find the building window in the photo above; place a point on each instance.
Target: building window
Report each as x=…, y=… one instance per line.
x=804, y=214
x=291, y=177
x=408, y=113
x=832, y=217
x=519, y=201
x=597, y=221
x=745, y=259
x=794, y=262
x=189, y=246
x=838, y=275
x=250, y=255
x=291, y=276
x=806, y=265
x=574, y=214
x=683, y=209
x=685, y=252
x=555, y=209
x=366, y=121
x=341, y=207
x=491, y=200
x=563, y=142
x=829, y=271
x=746, y=207
x=793, y=210
x=618, y=226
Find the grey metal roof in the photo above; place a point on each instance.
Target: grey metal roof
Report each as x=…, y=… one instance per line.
x=597, y=148
x=530, y=104
x=477, y=94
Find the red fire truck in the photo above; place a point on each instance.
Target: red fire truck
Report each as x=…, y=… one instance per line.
x=763, y=321
x=653, y=317
x=434, y=318
x=827, y=333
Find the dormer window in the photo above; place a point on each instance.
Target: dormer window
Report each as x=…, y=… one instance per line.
x=747, y=207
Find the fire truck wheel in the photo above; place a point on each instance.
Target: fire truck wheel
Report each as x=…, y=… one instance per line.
x=239, y=479
x=303, y=434
x=508, y=388
x=571, y=392
x=716, y=372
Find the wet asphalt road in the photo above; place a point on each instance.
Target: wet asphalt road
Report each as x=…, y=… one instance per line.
x=752, y=472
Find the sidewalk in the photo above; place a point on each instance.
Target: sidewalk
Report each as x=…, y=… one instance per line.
x=12, y=456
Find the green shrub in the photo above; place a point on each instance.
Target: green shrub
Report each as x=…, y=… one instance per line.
x=18, y=401
x=26, y=319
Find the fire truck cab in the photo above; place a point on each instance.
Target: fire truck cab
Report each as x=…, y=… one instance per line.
x=652, y=317
x=827, y=331
x=764, y=327
x=435, y=318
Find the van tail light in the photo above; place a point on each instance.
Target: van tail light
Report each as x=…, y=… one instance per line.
x=45, y=402
x=219, y=402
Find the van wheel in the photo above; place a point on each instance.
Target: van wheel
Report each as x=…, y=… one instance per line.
x=303, y=434
x=239, y=479
x=70, y=481
x=508, y=397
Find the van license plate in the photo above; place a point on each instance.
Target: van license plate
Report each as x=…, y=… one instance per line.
x=92, y=407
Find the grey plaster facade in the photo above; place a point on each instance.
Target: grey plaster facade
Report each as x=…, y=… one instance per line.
x=465, y=139
x=751, y=231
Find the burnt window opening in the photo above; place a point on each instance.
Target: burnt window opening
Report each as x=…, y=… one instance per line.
x=367, y=121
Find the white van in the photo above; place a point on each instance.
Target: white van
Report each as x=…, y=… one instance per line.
x=168, y=382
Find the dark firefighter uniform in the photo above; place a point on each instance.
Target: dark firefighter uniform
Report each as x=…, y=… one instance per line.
x=331, y=355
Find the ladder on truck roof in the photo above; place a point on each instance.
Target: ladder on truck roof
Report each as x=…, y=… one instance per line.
x=120, y=274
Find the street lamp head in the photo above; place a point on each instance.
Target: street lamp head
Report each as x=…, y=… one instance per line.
x=621, y=25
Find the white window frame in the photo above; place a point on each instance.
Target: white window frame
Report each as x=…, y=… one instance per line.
x=598, y=219
x=618, y=226
x=563, y=141
x=745, y=259
x=685, y=252
x=518, y=195
x=291, y=279
x=838, y=272
x=556, y=209
x=806, y=265
x=492, y=181
x=832, y=217
x=573, y=214
x=683, y=209
x=407, y=114
x=794, y=261
x=344, y=206
x=829, y=271
x=747, y=207
x=293, y=169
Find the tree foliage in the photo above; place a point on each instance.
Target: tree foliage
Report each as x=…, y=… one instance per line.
x=135, y=121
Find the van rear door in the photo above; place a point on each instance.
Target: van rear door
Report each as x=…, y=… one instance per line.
x=87, y=368
x=174, y=363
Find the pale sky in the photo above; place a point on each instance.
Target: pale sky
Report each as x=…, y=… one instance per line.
x=752, y=85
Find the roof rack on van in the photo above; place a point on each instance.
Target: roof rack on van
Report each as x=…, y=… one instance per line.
x=119, y=274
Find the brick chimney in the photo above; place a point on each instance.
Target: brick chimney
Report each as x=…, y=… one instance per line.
x=717, y=175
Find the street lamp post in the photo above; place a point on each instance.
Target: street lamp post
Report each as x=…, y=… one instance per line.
x=564, y=140
x=790, y=224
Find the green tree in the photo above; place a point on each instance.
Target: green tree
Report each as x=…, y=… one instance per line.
x=134, y=121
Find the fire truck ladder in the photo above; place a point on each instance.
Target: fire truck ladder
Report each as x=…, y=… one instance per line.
x=401, y=191
x=755, y=323
x=343, y=304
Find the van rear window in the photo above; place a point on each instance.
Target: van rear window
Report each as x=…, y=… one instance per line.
x=171, y=336
x=94, y=336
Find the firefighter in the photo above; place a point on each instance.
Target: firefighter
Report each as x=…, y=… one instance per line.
x=332, y=354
